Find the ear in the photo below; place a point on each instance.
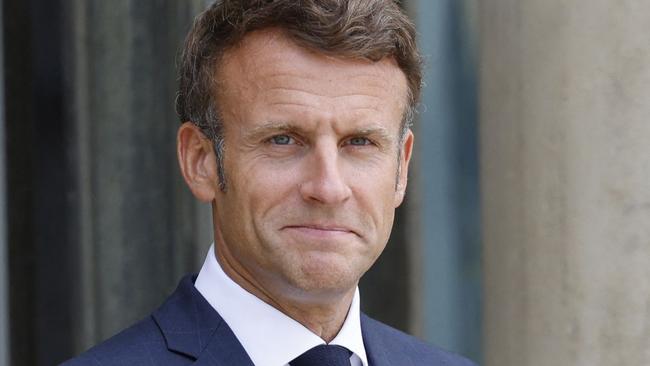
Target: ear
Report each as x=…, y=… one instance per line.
x=403, y=168
x=197, y=161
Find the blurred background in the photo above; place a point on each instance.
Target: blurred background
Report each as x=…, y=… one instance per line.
x=541, y=106
x=98, y=226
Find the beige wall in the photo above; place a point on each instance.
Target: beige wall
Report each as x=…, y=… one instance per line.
x=565, y=145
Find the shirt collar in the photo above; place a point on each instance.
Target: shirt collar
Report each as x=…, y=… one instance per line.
x=273, y=338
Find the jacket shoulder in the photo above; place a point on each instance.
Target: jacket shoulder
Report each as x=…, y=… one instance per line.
x=140, y=344
x=387, y=342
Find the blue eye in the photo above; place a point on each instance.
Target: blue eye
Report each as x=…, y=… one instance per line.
x=281, y=140
x=359, y=141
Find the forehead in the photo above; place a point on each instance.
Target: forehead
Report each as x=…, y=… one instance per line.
x=269, y=62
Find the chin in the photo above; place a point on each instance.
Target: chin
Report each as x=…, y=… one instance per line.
x=325, y=277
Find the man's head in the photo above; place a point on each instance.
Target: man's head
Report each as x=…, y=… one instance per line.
x=362, y=29
x=309, y=118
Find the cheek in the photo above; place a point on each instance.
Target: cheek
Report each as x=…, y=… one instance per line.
x=375, y=194
x=260, y=187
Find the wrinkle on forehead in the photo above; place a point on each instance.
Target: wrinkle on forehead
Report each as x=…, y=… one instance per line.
x=256, y=53
x=283, y=96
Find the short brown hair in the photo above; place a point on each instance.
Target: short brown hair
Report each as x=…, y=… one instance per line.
x=370, y=29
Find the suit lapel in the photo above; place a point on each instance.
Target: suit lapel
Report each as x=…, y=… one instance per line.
x=379, y=348
x=193, y=328
x=223, y=350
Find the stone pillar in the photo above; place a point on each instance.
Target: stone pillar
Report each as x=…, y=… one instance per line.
x=442, y=197
x=100, y=226
x=565, y=155
x=138, y=228
x=4, y=262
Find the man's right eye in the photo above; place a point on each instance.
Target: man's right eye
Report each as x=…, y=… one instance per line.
x=281, y=140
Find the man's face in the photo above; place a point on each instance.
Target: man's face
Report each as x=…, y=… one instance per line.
x=311, y=158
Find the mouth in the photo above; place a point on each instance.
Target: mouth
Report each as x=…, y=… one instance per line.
x=321, y=231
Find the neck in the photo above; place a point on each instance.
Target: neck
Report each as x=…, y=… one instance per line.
x=323, y=314
x=324, y=320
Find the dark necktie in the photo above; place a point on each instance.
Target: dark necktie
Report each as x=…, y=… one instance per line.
x=324, y=356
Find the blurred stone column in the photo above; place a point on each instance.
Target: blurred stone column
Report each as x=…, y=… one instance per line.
x=137, y=226
x=565, y=154
x=4, y=250
x=442, y=199
x=100, y=225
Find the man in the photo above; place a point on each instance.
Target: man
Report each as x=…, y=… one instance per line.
x=296, y=128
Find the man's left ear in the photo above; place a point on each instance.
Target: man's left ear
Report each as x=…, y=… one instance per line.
x=403, y=169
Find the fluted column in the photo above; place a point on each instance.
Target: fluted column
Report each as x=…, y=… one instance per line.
x=4, y=272
x=137, y=225
x=565, y=155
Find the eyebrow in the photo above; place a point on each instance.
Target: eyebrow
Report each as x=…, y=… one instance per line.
x=377, y=131
x=270, y=128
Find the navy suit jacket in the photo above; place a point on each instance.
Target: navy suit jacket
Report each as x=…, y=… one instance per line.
x=186, y=330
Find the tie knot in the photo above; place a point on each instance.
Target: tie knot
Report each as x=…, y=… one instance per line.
x=323, y=355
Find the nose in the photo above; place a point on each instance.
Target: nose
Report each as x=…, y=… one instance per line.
x=324, y=182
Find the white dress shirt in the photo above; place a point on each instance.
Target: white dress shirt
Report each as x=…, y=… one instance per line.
x=270, y=337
